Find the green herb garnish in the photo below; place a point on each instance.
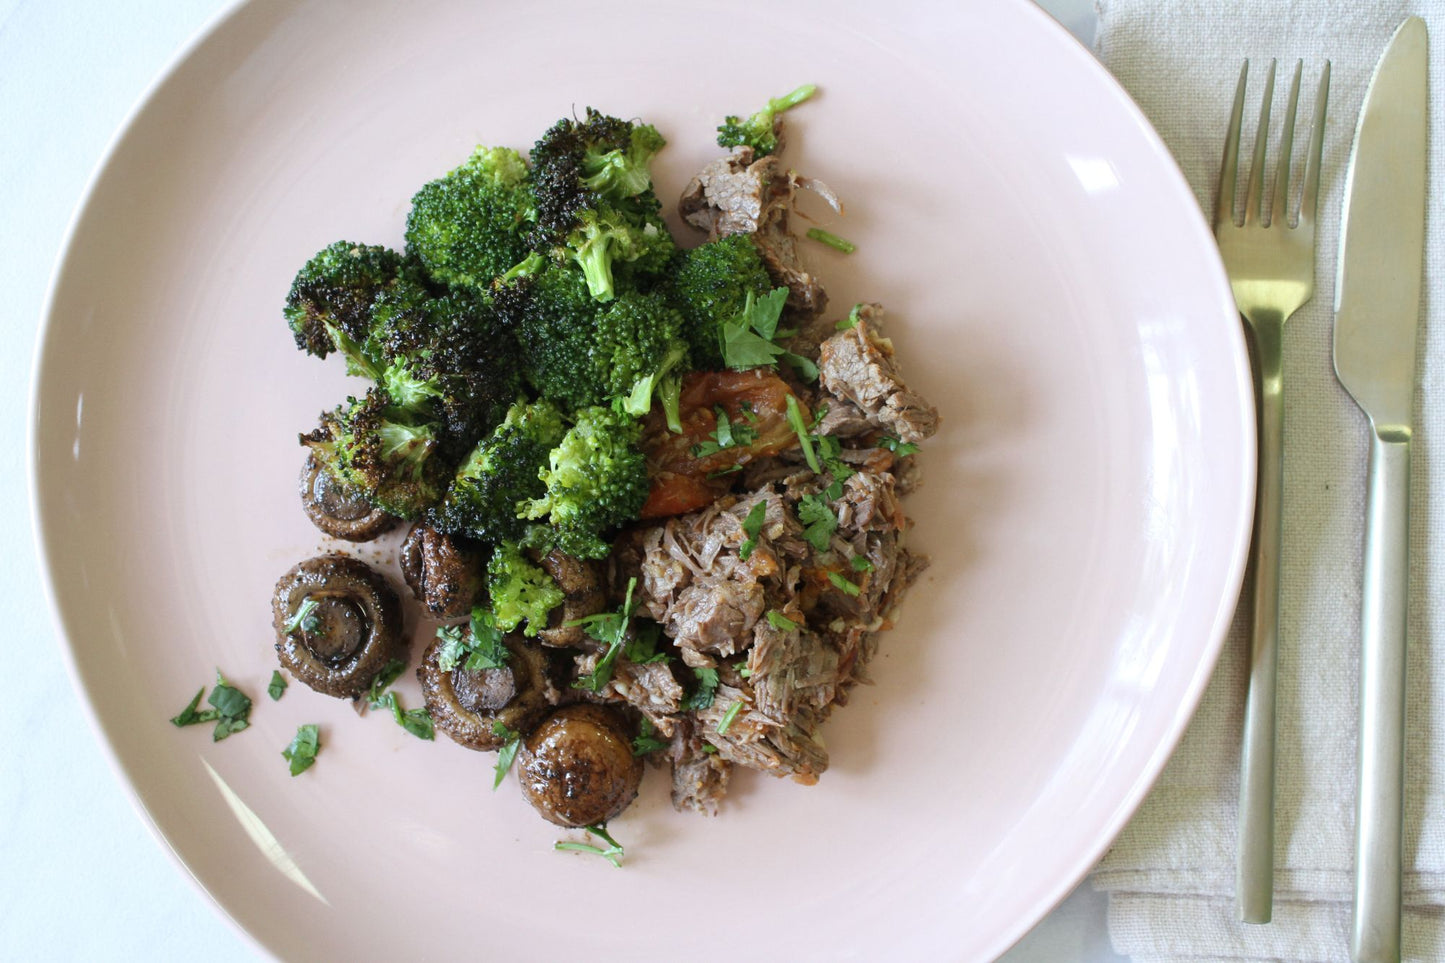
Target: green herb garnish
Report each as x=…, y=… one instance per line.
x=780, y=622
x=840, y=582
x=613, y=853
x=507, y=753
x=747, y=340
x=647, y=740
x=795, y=421
x=611, y=628
x=706, y=689
x=230, y=710
x=729, y=716
x=860, y=564
x=277, y=688
x=898, y=446
x=418, y=722
x=488, y=652
x=819, y=522
x=304, y=618
x=832, y=240
x=753, y=527
x=851, y=321
x=301, y=754
x=641, y=648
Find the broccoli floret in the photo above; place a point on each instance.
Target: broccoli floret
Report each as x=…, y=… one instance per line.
x=554, y=321
x=520, y=591
x=500, y=473
x=385, y=451
x=639, y=350
x=329, y=306
x=760, y=131
x=596, y=480
x=453, y=359
x=471, y=226
x=712, y=285
x=579, y=165
x=606, y=238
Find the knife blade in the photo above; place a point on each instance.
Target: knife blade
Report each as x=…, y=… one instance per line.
x=1377, y=314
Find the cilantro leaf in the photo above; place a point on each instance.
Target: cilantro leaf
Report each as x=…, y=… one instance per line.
x=898, y=446
x=832, y=240
x=277, y=688
x=507, y=753
x=842, y=583
x=301, y=754
x=860, y=564
x=647, y=740
x=487, y=650
x=819, y=522
x=613, y=853
x=611, y=628
x=727, y=720
x=747, y=340
x=780, y=622
x=641, y=649
x=851, y=321
x=189, y=716
x=753, y=527
x=805, y=439
x=706, y=689
x=304, y=618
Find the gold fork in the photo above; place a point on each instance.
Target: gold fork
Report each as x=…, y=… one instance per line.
x=1271, y=269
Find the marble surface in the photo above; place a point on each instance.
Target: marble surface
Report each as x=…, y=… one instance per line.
x=83, y=877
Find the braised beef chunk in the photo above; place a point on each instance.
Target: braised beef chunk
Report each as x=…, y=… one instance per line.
x=699, y=777
x=858, y=366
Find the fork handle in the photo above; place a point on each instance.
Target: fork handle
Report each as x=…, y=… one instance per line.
x=1254, y=866
x=1379, y=813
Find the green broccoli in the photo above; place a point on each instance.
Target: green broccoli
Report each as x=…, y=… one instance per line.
x=500, y=473
x=579, y=165
x=554, y=321
x=520, y=590
x=386, y=451
x=639, y=350
x=712, y=285
x=596, y=480
x=329, y=306
x=470, y=226
x=606, y=237
x=760, y=131
x=454, y=357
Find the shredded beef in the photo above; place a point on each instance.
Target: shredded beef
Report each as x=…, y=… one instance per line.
x=858, y=366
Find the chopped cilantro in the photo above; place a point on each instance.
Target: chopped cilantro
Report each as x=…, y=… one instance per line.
x=304, y=618
x=303, y=749
x=819, y=522
x=725, y=471
x=488, y=652
x=454, y=647
x=507, y=753
x=832, y=240
x=851, y=321
x=709, y=748
x=418, y=722
x=860, y=564
x=840, y=582
x=753, y=527
x=706, y=689
x=230, y=710
x=795, y=421
x=898, y=446
x=613, y=853
x=611, y=628
x=727, y=435
x=805, y=368
x=780, y=622
x=647, y=740
x=728, y=717
x=641, y=649
x=747, y=340
x=277, y=688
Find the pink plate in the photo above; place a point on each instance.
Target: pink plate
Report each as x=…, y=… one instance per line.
x=1052, y=287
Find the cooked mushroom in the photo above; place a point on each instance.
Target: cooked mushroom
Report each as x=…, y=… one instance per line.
x=581, y=596
x=441, y=573
x=338, y=623
x=466, y=703
x=577, y=767
x=338, y=509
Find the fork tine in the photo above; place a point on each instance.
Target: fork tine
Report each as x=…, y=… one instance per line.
x=1279, y=209
x=1229, y=170
x=1309, y=199
x=1261, y=140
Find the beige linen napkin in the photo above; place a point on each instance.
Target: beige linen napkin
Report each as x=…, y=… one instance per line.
x=1170, y=875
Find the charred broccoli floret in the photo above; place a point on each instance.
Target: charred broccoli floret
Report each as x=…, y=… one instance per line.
x=386, y=451
x=554, y=320
x=329, y=306
x=470, y=226
x=520, y=590
x=501, y=473
x=596, y=479
x=579, y=165
x=712, y=285
x=760, y=131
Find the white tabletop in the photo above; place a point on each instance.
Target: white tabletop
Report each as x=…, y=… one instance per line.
x=83, y=878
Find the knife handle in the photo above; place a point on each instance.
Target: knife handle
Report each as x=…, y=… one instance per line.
x=1379, y=815
x=1254, y=865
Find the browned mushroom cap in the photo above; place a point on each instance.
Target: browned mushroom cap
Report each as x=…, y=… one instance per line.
x=338, y=509
x=443, y=575
x=581, y=596
x=577, y=767
x=466, y=703
x=349, y=631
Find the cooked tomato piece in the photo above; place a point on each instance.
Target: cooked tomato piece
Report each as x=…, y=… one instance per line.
x=689, y=470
